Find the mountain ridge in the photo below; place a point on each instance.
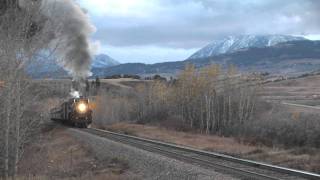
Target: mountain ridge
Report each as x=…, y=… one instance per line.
x=289, y=57
x=285, y=58
x=235, y=43
x=103, y=60
x=48, y=67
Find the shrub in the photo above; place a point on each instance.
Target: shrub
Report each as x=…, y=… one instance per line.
x=285, y=129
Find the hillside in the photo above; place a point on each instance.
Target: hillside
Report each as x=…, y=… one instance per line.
x=287, y=58
x=103, y=60
x=290, y=58
x=45, y=67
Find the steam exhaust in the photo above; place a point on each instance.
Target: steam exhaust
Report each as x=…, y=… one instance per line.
x=72, y=29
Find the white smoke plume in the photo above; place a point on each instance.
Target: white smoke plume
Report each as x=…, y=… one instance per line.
x=72, y=29
x=74, y=93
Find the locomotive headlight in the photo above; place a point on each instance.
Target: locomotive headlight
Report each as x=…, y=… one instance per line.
x=82, y=108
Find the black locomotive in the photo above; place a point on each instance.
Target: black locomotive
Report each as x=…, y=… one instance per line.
x=76, y=112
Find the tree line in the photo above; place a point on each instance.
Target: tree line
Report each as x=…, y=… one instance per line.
x=208, y=99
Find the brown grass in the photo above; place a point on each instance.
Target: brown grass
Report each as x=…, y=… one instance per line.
x=215, y=143
x=304, y=90
x=126, y=83
x=299, y=158
x=60, y=156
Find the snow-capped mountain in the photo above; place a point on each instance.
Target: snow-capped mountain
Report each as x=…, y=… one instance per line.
x=48, y=67
x=291, y=58
x=103, y=60
x=235, y=43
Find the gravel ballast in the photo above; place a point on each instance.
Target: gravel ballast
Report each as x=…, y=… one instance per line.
x=148, y=165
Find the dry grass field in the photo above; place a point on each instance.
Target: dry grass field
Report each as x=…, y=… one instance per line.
x=122, y=82
x=301, y=91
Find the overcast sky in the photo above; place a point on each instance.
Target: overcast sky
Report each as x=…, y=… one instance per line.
x=169, y=30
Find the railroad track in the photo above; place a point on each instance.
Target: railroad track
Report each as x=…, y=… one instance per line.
x=244, y=169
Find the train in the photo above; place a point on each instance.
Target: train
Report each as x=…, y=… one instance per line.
x=75, y=112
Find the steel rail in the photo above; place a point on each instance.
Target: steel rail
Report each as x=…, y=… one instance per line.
x=221, y=167
x=250, y=163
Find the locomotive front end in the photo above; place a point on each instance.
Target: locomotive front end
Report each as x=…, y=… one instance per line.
x=82, y=113
x=82, y=108
x=75, y=111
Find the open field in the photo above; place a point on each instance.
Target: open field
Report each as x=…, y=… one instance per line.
x=304, y=90
x=122, y=82
x=301, y=91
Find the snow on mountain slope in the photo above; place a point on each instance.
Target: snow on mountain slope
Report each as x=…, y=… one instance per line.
x=48, y=67
x=103, y=60
x=234, y=43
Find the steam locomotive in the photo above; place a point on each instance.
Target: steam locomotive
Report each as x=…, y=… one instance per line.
x=75, y=111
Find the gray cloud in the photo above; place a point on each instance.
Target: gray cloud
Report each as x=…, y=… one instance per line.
x=168, y=30
x=193, y=23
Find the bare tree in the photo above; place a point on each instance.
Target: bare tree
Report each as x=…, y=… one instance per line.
x=22, y=36
x=205, y=99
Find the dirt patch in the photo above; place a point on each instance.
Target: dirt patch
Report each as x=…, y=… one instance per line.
x=299, y=158
x=58, y=155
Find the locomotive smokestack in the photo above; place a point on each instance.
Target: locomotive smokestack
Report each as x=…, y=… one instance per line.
x=77, y=88
x=74, y=93
x=72, y=28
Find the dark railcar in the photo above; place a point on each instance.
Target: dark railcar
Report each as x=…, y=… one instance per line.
x=76, y=112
